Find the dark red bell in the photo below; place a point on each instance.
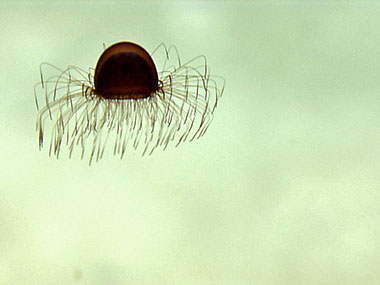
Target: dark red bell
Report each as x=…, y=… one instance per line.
x=125, y=71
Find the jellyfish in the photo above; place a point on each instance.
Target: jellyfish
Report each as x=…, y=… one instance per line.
x=126, y=100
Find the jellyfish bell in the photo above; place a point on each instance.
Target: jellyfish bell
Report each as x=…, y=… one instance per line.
x=125, y=71
x=126, y=100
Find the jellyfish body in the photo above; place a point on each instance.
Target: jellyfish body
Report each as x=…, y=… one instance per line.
x=126, y=100
x=125, y=71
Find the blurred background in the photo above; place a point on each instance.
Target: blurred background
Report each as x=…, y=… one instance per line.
x=284, y=188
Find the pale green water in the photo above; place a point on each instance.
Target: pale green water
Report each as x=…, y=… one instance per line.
x=283, y=189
